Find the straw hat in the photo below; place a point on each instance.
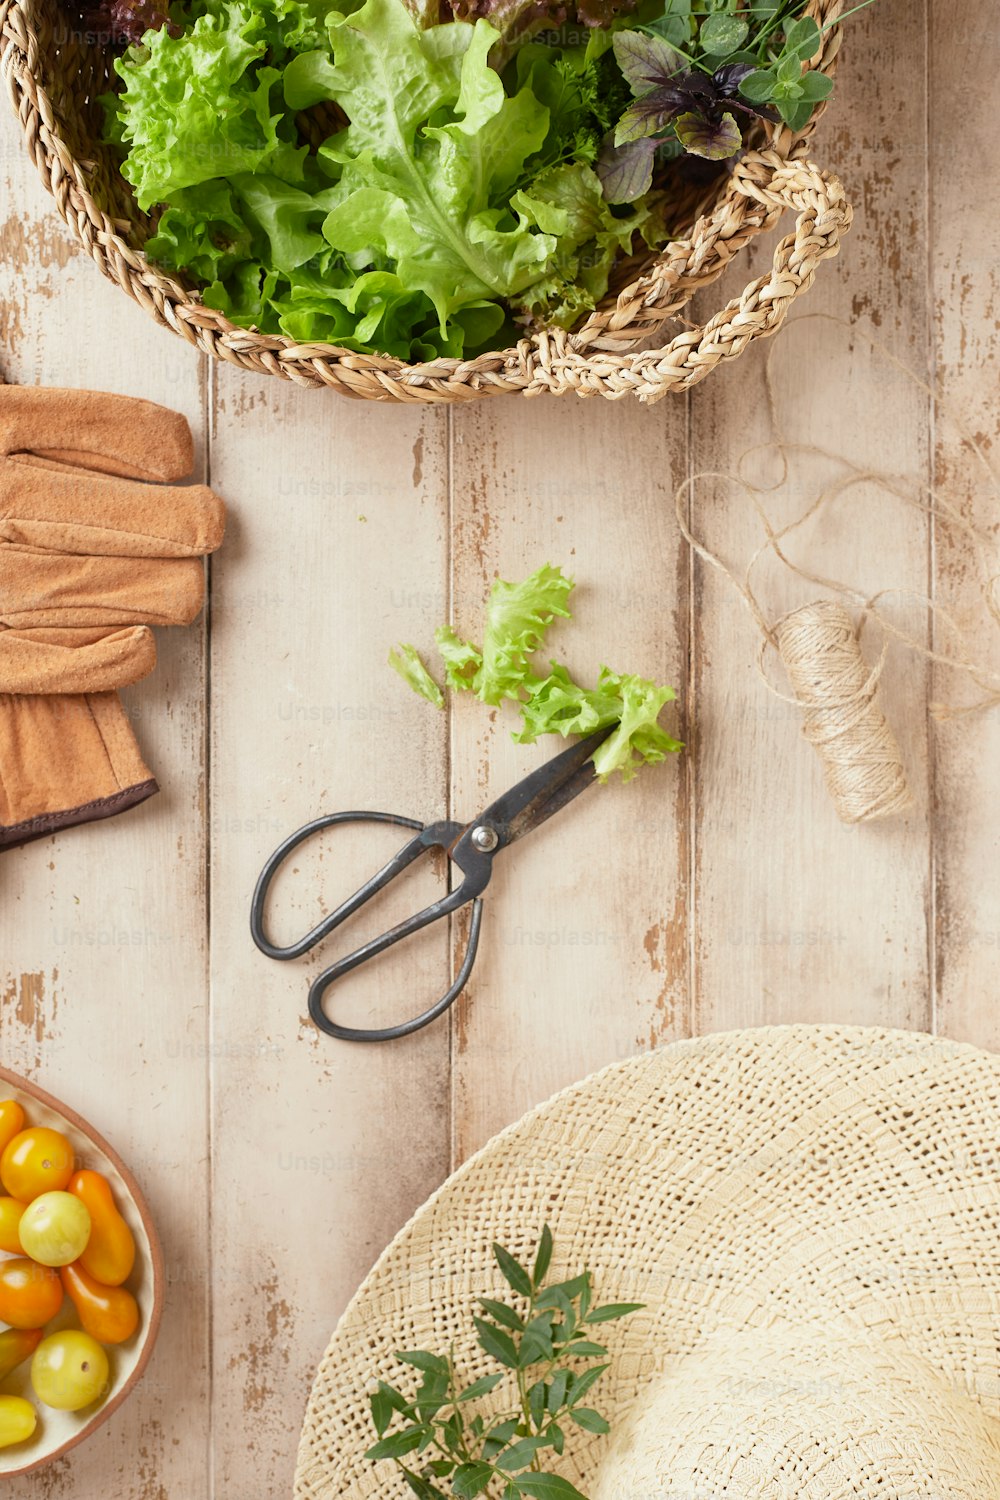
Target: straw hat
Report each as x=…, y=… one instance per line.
x=811, y=1216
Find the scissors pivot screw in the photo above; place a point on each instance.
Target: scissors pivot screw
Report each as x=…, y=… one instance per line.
x=485, y=839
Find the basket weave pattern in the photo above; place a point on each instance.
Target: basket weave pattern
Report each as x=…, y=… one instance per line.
x=54, y=76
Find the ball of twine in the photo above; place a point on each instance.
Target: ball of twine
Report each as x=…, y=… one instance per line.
x=821, y=651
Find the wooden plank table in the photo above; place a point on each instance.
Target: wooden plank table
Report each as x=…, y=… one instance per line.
x=719, y=891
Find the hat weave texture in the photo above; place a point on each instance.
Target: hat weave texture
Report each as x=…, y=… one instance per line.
x=763, y=1181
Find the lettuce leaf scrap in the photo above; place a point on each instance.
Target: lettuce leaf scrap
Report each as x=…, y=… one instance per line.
x=407, y=661
x=518, y=616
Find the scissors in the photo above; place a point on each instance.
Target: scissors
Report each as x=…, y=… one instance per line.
x=472, y=847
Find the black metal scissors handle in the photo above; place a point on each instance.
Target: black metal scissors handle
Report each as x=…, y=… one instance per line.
x=470, y=846
x=442, y=835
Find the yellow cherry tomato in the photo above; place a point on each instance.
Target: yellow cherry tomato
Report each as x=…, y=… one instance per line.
x=11, y=1121
x=70, y=1370
x=36, y=1161
x=10, y=1218
x=17, y=1420
x=54, y=1229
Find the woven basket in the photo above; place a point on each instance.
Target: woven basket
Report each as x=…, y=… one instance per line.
x=55, y=75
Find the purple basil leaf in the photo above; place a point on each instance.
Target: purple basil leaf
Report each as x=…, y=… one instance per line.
x=626, y=172
x=644, y=117
x=646, y=61
x=727, y=80
x=702, y=135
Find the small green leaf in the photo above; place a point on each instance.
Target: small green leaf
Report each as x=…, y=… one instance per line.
x=441, y=1467
x=803, y=37
x=586, y=1349
x=589, y=1420
x=503, y=1431
x=471, y=1479
x=498, y=1345
x=407, y=661
x=398, y=1445
x=549, y=1487
x=562, y=1289
x=789, y=70
x=422, y=1487
x=481, y=1387
x=501, y=1313
x=395, y=1398
x=816, y=86
x=582, y=1383
x=537, y=1341
x=513, y=1272
x=556, y=1437
x=612, y=1310
x=433, y=1364
x=453, y=1430
x=519, y=1455
x=543, y=1256
x=499, y=1437
x=758, y=87
x=722, y=33
x=558, y=1389
x=433, y=1387
x=382, y=1411
x=554, y=1297
x=794, y=112
x=537, y=1401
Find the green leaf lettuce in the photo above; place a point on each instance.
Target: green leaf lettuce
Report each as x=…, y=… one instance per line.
x=518, y=617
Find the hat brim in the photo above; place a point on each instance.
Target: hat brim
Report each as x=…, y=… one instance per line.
x=727, y=1181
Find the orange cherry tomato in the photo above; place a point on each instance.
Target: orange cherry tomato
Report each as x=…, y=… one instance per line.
x=15, y=1345
x=110, y=1314
x=110, y=1253
x=30, y=1294
x=11, y=1121
x=36, y=1161
x=10, y=1219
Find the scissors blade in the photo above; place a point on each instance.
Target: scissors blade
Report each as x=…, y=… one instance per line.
x=545, y=791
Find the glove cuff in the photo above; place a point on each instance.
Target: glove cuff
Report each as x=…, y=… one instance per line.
x=43, y=824
x=66, y=760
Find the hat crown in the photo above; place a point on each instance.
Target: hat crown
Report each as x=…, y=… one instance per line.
x=802, y=1413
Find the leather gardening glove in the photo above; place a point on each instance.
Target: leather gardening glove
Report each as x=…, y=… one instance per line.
x=91, y=554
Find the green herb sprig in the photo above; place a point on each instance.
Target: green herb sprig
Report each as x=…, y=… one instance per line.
x=697, y=71
x=441, y=1440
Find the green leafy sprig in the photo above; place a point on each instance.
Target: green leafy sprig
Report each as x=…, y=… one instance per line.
x=441, y=1439
x=504, y=668
x=696, y=72
x=785, y=83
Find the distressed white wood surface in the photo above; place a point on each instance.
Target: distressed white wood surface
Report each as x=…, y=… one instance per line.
x=103, y=935
x=799, y=917
x=719, y=890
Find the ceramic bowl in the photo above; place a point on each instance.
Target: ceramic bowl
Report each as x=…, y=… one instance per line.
x=57, y=1432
